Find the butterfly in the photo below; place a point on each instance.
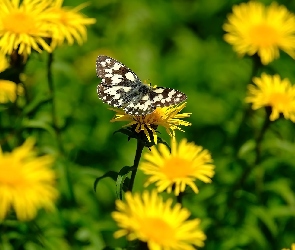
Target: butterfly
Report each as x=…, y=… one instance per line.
x=120, y=87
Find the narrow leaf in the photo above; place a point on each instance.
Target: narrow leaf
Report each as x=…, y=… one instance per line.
x=112, y=174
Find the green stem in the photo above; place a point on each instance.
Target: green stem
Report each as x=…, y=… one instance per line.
x=240, y=182
x=53, y=104
x=17, y=67
x=139, y=149
x=257, y=160
x=70, y=193
x=260, y=174
x=243, y=129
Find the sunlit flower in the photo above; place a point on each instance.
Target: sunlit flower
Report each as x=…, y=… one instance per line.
x=9, y=91
x=67, y=24
x=186, y=163
x=271, y=91
x=22, y=26
x=26, y=182
x=166, y=117
x=3, y=62
x=254, y=28
x=149, y=219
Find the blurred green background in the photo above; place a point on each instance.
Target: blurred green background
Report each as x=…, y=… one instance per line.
x=177, y=44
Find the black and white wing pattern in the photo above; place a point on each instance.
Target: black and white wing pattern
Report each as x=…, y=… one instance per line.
x=121, y=88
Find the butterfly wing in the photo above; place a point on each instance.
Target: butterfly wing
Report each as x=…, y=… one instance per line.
x=120, y=87
x=162, y=97
x=139, y=108
x=114, y=73
x=157, y=97
x=116, y=81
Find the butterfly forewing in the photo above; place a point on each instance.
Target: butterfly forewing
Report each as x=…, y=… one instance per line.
x=120, y=87
x=114, y=73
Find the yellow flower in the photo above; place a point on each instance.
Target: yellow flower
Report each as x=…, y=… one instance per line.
x=148, y=218
x=9, y=90
x=186, y=163
x=22, y=27
x=3, y=62
x=67, y=24
x=26, y=182
x=254, y=28
x=271, y=91
x=166, y=117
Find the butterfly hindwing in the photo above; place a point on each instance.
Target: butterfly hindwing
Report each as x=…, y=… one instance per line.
x=162, y=97
x=142, y=107
x=112, y=95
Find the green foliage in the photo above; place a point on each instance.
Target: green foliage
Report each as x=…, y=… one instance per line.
x=177, y=44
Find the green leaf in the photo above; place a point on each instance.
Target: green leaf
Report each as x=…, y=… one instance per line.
x=125, y=131
x=265, y=216
x=160, y=140
x=253, y=232
x=34, y=105
x=282, y=188
x=111, y=174
x=246, y=148
x=122, y=181
x=38, y=124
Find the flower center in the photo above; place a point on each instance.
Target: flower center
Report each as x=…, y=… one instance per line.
x=279, y=100
x=158, y=230
x=264, y=35
x=19, y=23
x=177, y=168
x=152, y=118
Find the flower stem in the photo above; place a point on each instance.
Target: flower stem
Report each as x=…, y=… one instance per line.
x=17, y=67
x=139, y=149
x=240, y=182
x=69, y=187
x=53, y=104
x=243, y=130
x=257, y=160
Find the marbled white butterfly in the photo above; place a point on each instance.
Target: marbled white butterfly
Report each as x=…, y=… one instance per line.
x=121, y=88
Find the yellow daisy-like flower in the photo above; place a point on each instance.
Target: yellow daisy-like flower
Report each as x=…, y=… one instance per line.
x=26, y=182
x=271, y=91
x=254, y=28
x=148, y=218
x=22, y=26
x=67, y=24
x=166, y=117
x=3, y=62
x=9, y=90
x=186, y=163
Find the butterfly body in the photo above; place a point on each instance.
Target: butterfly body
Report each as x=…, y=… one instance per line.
x=121, y=88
